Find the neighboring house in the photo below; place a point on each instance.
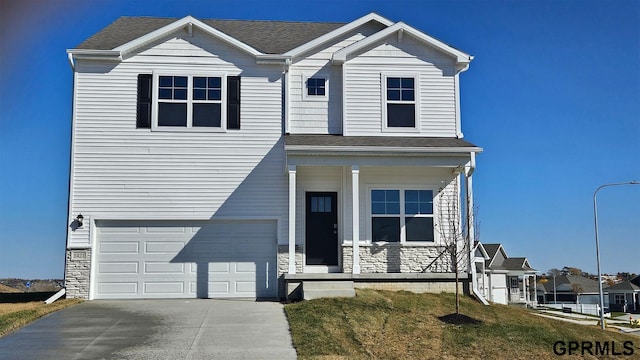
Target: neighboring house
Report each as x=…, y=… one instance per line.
x=570, y=289
x=503, y=279
x=624, y=296
x=226, y=158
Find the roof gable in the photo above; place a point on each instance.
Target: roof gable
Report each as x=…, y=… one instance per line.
x=337, y=33
x=399, y=29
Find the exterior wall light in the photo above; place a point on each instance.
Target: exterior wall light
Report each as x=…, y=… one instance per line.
x=79, y=219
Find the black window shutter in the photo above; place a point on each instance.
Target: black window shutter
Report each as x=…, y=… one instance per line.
x=143, y=116
x=233, y=102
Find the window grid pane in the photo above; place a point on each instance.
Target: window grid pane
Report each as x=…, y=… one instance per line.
x=207, y=88
x=316, y=86
x=385, y=202
x=400, y=89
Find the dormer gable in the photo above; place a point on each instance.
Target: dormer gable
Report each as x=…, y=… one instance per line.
x=400, y=30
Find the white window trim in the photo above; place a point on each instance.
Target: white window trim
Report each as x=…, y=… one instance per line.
x=305, y=93
x=403, y=234
x=416, y=102
x=189, y=101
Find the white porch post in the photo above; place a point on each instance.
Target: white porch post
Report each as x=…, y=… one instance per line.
x=292, y=219
x=355, y=190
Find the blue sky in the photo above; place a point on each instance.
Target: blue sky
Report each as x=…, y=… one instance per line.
x=553, y=97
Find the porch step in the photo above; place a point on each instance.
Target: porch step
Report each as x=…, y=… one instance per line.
x=323, y=289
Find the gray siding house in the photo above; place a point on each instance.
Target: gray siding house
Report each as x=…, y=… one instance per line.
x=253, y=159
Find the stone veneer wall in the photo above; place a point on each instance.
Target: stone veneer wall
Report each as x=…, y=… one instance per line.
x=77, y=273
x=396, y=258
x=283, y=266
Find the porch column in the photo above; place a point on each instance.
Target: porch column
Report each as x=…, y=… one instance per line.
x=292, y=219
x=468, y=177
x=355, y=191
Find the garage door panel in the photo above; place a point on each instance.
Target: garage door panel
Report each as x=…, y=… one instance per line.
x=163, y=268
x=118, y=267
x=156, y=259
x=119, y=247
x=123, y=289
x=163, y=247
x=163, y=287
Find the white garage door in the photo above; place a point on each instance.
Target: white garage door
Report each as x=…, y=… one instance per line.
x=167, y=259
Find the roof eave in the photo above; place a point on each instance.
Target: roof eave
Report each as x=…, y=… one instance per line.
x=382, y=149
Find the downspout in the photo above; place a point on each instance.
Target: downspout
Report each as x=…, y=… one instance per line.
x=285, y=95
x=468, y=173
x=71, y=161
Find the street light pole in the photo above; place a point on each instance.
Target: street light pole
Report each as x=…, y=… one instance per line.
x=595, y=220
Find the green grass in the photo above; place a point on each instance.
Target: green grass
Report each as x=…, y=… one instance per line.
x=14, y=316
x=402, y=325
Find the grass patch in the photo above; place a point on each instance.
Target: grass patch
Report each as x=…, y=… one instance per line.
x=14, y=316
x=402, y=325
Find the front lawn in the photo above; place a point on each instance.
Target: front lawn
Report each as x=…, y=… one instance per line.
x=402, y=325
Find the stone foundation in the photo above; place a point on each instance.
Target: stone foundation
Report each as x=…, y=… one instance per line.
x=397, y=258
x=283, y=266
x=77, y=273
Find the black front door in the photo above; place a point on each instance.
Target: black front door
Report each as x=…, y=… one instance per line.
x=322, y=228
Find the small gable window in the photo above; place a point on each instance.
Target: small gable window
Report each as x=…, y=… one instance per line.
x=316, y=86
x=400, y=102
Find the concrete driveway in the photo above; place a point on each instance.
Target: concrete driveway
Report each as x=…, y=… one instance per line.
x=156, y=329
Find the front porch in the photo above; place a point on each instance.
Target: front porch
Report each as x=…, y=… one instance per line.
x=521, y=291
x=389, y=199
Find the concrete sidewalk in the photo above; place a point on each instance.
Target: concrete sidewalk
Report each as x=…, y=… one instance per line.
x=156, y=329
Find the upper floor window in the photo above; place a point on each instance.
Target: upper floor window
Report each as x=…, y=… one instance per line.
x=400, y=101
x=188, y=102
x=316, y=86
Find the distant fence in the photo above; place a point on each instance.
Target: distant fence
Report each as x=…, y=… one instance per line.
x=25, y=297
x=588, y=309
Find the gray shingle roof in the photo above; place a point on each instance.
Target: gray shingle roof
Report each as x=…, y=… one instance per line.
x=624, y=286
x=384, y=141
x=515, y=264
x=269, y=37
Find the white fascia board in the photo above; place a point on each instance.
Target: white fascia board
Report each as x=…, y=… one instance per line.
x=95, y=54
x=483, y=251
x=388, y=150
x=461, y=58
x=179, y=24
x=272, y=59
x=338, y=32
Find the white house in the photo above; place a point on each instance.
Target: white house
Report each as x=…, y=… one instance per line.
x=503, y=279
x=226, y=158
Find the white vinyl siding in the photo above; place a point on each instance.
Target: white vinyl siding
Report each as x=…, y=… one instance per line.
x=435, y=88
x=317, y=117
x=120, y=172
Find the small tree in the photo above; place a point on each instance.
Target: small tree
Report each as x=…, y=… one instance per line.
x=454, y=251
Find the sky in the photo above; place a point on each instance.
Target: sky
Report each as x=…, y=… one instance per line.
x=552, y=96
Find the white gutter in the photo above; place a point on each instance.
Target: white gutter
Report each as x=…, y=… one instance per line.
x=110, y=55
x=407, y=149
